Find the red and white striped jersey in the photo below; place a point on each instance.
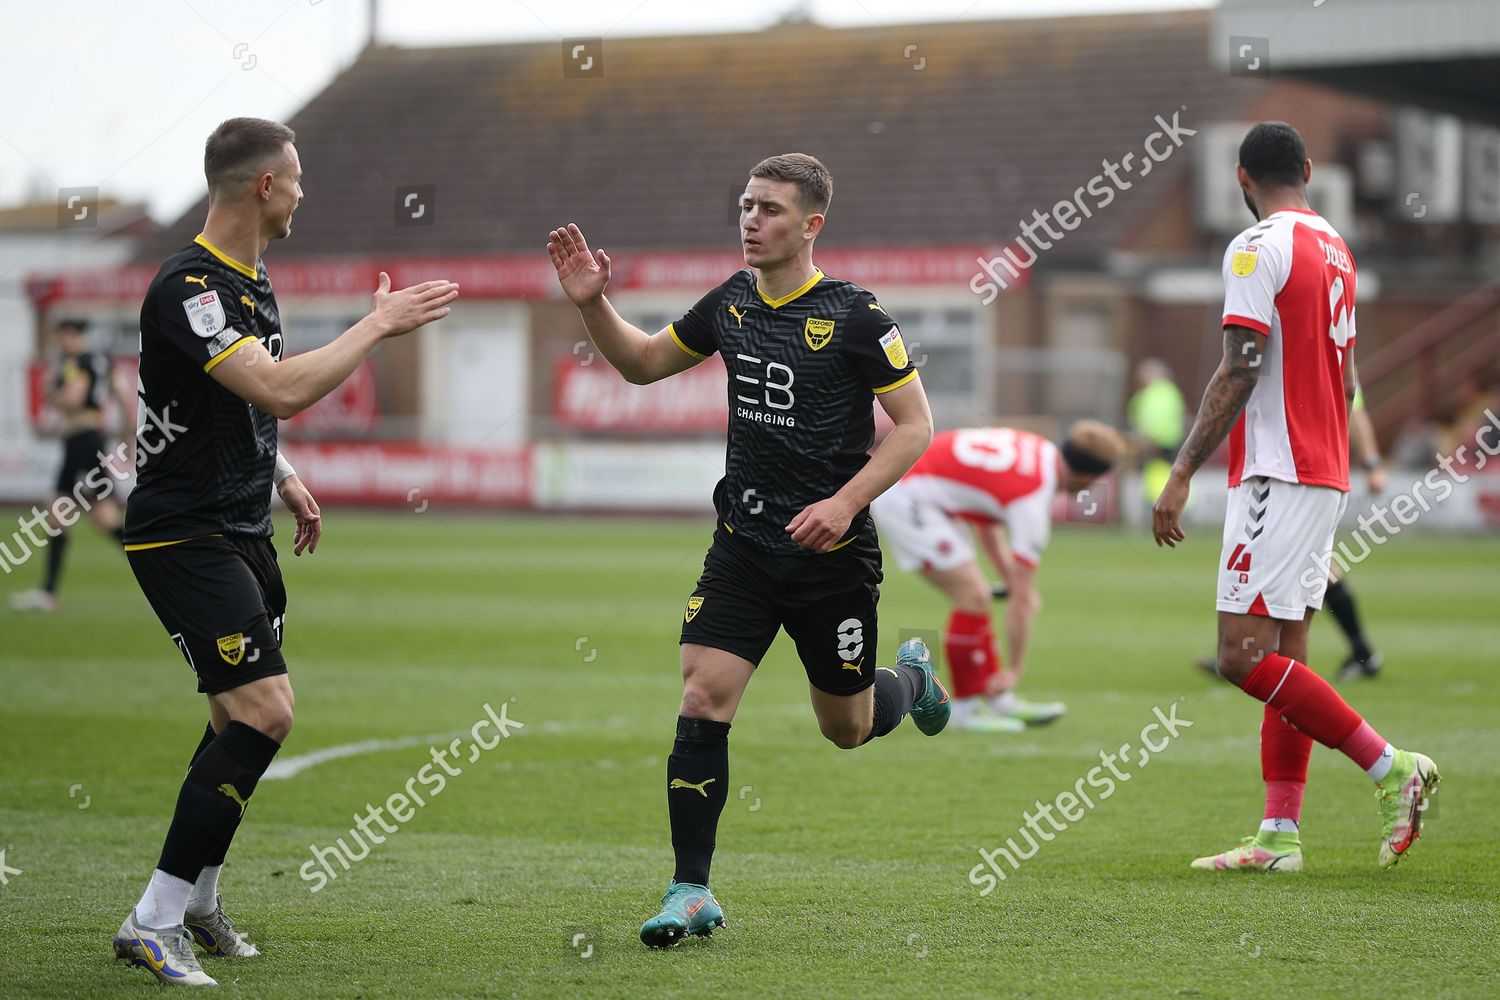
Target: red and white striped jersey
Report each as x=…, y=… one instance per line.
x=1291, y=277
x=992, y=474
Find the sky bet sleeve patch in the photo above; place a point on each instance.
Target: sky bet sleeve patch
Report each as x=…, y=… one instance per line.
x=895, y=350
x=205, y=314
x=1242, y=264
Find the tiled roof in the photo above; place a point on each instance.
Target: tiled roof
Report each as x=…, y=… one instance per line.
x=1001, y=117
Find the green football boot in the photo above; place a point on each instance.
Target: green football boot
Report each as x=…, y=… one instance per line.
x=1403, y=795
x=931, y=711
x=685, y=909
x=1266, y=851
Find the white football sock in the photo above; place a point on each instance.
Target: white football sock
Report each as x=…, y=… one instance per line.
x=165, y=900
x=1279, y=825
x=1382, y=767
x=205, y=895
x=1003, y=703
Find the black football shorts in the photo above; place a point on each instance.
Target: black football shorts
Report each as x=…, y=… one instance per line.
x=222, y=601
x=826, y=602
x=80, y=457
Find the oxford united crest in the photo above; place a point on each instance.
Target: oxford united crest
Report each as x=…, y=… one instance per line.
x=817, y=333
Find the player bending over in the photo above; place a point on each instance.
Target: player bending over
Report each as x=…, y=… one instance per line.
x=1284, y=385
x=1001, y=481
x=198, y=526
x=794, y=546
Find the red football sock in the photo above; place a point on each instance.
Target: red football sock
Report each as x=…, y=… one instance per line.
x=972, y=657
x=1308, y=702
x=1364, y=744
x=1284, y=753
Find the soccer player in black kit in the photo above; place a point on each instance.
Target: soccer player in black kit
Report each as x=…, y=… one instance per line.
x=198, y=526
x=80, y=391
x=794, y=546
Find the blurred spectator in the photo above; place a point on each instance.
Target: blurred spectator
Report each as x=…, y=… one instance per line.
x=1157, y=414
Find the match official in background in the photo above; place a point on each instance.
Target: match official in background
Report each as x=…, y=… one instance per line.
x=1158, y=415
x=198, y=526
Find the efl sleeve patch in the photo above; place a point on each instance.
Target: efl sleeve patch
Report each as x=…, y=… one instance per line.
x=895, y=349
x=205, y=314
x=1246, y=256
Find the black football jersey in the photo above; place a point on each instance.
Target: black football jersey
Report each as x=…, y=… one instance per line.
x=803, y=373
x=92, y=367
x=204, y=456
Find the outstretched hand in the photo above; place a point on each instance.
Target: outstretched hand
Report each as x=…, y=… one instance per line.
x=583, y=274
x=406, y=310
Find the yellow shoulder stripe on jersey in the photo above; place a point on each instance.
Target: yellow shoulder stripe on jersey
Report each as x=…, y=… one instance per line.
x=678, y=341
x=898, y=383
x=244, y=269
x=227, y=352
x=143, y=546
x=727, y=527
x=778, y=303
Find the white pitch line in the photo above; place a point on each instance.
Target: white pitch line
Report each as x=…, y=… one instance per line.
x=290, y=767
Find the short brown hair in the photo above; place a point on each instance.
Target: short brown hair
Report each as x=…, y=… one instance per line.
x=240, y=147
x=814, y=182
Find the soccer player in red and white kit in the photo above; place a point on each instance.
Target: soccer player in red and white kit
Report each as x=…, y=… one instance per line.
x=1000, y=480
x=1285, y=384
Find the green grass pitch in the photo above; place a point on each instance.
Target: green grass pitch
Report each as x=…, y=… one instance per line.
x=843, y=874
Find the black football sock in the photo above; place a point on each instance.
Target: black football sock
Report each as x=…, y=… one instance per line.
x=56, y=547
x=697, y=788
x=217, y=858
x=213, y=798
x=894, y=695
x=119, y=534
x=208, y=737
x=1340, y=601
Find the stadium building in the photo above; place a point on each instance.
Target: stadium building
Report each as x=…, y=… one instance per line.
x=1040, y=203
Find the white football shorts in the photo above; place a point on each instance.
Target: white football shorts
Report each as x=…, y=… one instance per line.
x=1278, y=543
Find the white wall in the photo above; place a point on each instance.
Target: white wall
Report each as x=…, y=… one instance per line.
x=476, y=376
x=28, y=464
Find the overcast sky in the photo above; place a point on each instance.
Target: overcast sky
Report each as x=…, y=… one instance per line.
x=120, y=95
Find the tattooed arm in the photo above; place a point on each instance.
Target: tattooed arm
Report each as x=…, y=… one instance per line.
x=1223, y=400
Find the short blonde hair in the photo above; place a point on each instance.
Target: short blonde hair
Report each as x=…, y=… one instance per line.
x=1098, y=441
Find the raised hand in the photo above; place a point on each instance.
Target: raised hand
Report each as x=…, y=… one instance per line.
x=582, y=274
x=410, y=308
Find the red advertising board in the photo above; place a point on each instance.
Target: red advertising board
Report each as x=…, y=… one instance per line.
x=415, y=476
x=531, y=276
x=595, y=397
x=351, y=410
